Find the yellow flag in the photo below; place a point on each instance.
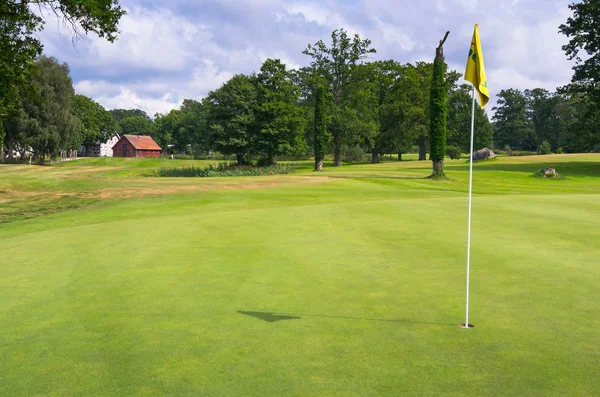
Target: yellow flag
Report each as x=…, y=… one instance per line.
x=475, y=71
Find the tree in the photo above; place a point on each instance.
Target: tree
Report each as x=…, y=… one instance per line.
x=512, y=125
x=581, y=124
x=438, y=109
x=280, y=120
x=120, y=114
x=19, y=45
x=459, y=121
x=136, y=125
x=232, y=117
x=335, y=68
x=195, y=125
x=47, y=123
x=97, y=123
x=320, y=137
x=584, y=36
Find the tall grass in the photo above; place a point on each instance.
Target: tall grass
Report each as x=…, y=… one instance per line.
x=224, y=169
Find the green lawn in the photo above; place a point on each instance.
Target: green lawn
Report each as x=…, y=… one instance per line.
x=345, y=283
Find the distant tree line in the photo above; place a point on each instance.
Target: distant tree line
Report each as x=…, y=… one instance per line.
x=341, y=104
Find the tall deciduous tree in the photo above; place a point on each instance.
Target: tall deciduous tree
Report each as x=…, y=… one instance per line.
x=512, y=124
x=320, y=137
x=459, y=121
x=280, y=120
x=335, y=66
x=47, y=122
x=195, y=125
x=232, y=116
x=136, y=125
x=438, y=109
x=97, y=122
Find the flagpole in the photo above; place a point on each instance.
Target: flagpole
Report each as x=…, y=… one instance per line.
x=467, y=325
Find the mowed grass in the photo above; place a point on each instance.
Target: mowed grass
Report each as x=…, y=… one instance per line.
x=345, y=283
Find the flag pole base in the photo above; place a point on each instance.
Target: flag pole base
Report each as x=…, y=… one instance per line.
x=466, y=326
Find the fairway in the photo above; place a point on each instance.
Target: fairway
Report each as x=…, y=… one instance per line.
x=348, y=282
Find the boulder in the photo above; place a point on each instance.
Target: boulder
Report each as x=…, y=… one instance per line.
x=549, y=173
x=483, y=154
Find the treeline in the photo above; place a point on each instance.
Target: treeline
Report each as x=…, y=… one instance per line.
x=374, y=107
x=543, y=121
x=367, y=107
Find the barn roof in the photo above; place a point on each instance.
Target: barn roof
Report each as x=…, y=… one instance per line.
x=142, y=142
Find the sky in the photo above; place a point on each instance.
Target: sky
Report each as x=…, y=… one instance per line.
x=171, y=50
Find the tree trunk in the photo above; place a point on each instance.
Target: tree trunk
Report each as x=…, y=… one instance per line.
x=240, y=159
x=422, y=150
x=337, y=154
x=438, y=168
x=374, y=157
x=42, y=159
x=399, y=156
x=318, y=165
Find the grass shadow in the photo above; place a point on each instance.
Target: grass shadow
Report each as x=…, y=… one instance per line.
x=272, y=317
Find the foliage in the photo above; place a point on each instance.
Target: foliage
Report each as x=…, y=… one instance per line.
x=544, y=148
x=353, y=154
x=438, y=113
x=135, y=125
x=226, y=169
x=584, y=47
x=97, y=123
x=194, y=127
x=453, y=152
x=47, y=123
x=512, y=124
x=280, y=121
x=232, y=116
x=20, y=46
x=335, y=66
x=120, y=114
x=459, y=121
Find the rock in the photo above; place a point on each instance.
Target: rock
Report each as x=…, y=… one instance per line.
x=549, y=173
x=484, y=154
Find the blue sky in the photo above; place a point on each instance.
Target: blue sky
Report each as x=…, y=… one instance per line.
x=176, y=49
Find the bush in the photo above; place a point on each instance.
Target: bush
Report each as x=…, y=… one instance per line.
x=596, y=149
x=523, y=153
x=225, y=169
x=353, y=154
x=453, y=152
x=561, y=151
x=508, y=150
x=545, y=148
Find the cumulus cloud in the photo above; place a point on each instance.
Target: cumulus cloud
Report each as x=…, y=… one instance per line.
x=168, y=51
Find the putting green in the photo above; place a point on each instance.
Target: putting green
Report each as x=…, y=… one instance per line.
x=346, y=283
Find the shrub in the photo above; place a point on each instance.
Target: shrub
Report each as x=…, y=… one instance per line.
x=225, y=169
x=545, y=148
x=596, y=148
x=453, y=152
x=353, y=154
x=508, y=150
x=523, y=153
x=560, y=151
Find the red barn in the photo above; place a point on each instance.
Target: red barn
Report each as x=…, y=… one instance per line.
x=136, y=146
